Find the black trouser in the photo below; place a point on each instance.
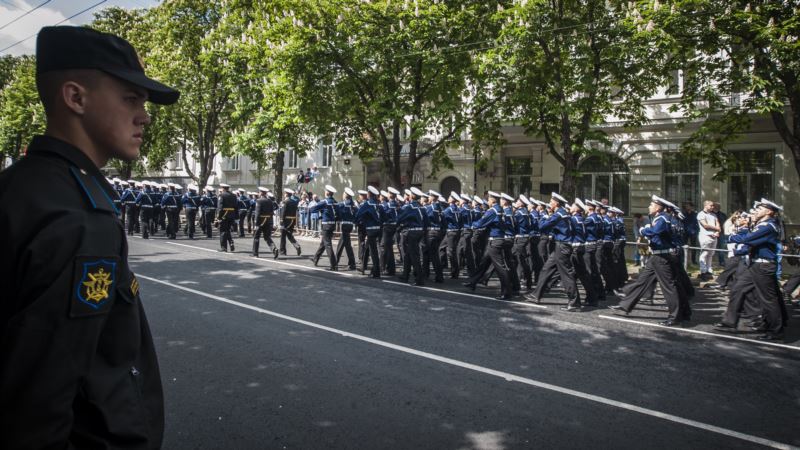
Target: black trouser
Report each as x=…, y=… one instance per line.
x=443, y=250
x=130, y=212
x=536, y=257
x=265, y=228
x=326, y=244
x=362, y=250
x=451, y=240
x=250, y=220
x=511, y=263
x=606, y=263
x=584, y=274
x=466, y=252
x=387, y=248
x=411, y=257
x=173, y=220
x=345, y=244
x=660, y=267
x=544, y=251
x=398, y=237
x=146, y=216
x=791, y=285
x=480, y=239
x=522, y=258
x=154, y=218
x=162, y=218
x=590, y=261
x=742, y=300
x=620, y=267
x=226, y=222
x=242, y=217
x=209, y=217
x=287, y=232
x=136, y=226
x=431, y=255
x=372, y=247
x=191, y=217
x=728, y=275
x=762, y=279
x=559, y=262
x=499, y=253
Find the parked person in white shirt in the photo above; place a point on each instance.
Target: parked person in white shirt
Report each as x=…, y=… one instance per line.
x=709, y=232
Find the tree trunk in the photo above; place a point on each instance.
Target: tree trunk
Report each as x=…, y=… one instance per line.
x=278, y=167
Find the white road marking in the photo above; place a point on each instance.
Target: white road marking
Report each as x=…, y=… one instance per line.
x=496, y=373
x=532, y=305
x=704, y=333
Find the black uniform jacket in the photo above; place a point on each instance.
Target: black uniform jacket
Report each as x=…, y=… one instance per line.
x=265, y=208
x=227, y=203
x=77, y=364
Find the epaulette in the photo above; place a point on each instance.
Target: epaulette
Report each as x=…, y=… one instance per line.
x=93, y=191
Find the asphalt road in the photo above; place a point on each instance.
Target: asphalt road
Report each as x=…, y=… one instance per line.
x=258, y=353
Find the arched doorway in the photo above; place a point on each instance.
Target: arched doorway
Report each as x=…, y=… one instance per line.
x=448, y=185
x=605, y=176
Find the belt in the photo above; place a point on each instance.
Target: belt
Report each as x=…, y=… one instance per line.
x=373, y=228
x=130, y=203
x=229, y=209
x=762, y=260
x=146, y=206
x=522, y=235
x=662, y=252
x=190, y=207
x=563, y=242
x=415, y=229
x=328, y=223
x=577, y=244
x=453, y=231
x=261, y=216
x=621, y=240
x=497, y=238
x=346, y=223
x=173, y=207
x=290, y=217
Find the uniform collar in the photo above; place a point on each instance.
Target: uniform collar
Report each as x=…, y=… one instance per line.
x=67, y=151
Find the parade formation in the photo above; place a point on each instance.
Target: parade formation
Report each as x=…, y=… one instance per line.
x=529, y=245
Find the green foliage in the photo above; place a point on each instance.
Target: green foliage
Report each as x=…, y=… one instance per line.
x=21, y=112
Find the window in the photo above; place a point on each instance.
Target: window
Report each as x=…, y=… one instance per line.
x=675, y=85
x=178, y=163
x=751, y=178
x=681, y=181
x=232, y=163
x=518, y=176
x=605, y=176
x=291, y=159
x=327, y=147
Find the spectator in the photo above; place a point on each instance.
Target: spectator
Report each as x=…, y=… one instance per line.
x=300, y=180
x=708, y=233
x=729, y=228
x=722, y=242
x=302, y=207
x=314, y=215
x=309, y=176
x=639, y=221
x=314, y=172
x=691, y=228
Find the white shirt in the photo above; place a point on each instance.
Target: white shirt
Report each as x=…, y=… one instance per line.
x=710, y=219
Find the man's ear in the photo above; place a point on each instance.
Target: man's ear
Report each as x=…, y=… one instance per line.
x=75, y=97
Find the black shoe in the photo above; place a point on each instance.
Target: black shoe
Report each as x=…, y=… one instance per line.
x=722, y=326
x=570, y=308
x=298, y=251
x=619, y=309
x=669, y=323
x=438, y=280
x=591, y=305
x=222, y=250
x=770, y=337
x=254, y=255
x=354, y=268
x=403, y=279
x=332, y=269
x=712, y=285
x=516, y=294
x=315, y=260
x=469, y=285
x=618, y=293
x=418, y=283
x=375, y=276
x=503, y=297
x=232, y=248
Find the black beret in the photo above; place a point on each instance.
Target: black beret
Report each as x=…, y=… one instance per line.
x=69, y=48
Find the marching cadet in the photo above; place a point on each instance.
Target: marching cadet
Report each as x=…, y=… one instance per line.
x=760, y=277
x=544, y=238
x=327, y=210
x=208, y=204
x=390, y=211
x=560, y=261
x=536, y=258
x=436, y=227
x=606, y=250
x=128, y=200
x=412, y=221
x=78, y=367
x=191, y=201
x=522, y=237
x=156, y=195
x=507, y=202
x=579, y=258
x=289, y=220
x=369, y=217
x=659, y=266
x=593, y=225
x=494, y=221
x=226, y=216
x=137, y=188
x=251, y=209
x=347, y=217
x=242, y=204
x=361, y=233
x=144, y=203
x=161, y=219
x=170, y=203
x=452, y=218
x=125, y=186
x=465, y=252
x=618, y=251
x=480, y=235
x=264, y=213
x=117, y=185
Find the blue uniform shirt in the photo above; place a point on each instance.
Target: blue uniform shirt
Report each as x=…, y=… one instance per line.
x=608, y=228
x=522, y=222
x=558, y=225
x=368, y=215
x=128, y=196
x=535, y=216
x=452, y=217
x=763, y=240
x=593, y=225
x=435, y=216
x=347, y=211
x=578, y=229
x=493, y=219
x=145, y=199
x=327, y=210
x=413, y=216
x=659, y=232
x=190, y=200
x=390, y=211
x=170, y=199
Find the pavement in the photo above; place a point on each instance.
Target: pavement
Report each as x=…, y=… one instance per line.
x=263, y=353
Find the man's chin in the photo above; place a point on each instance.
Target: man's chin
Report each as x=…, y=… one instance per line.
x=127, y=155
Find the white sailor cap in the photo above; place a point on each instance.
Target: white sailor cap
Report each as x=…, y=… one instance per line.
x=131, y=181
x=240, y=190
x=385, y=193
x=392, y=190
x=263, y=189
x=558, y=198
x=505, y=196
x=192, y=187
x=330, y=188
x=770, y=205
x=224, y=185
x=362, y=192
x=288, y=191
x=373, y=190
x=116, y=180
x=270, y=195
x=478, y=200
x=145, y=183
x=209, y=188
x=525, y=200
x=659, y=201
x=349, y=191
x=614, y=210
x=494, y=194
x=454, y=195
x=138, y=183
x=581, y=204
x=431, y=192
x=164, y=186
x=416, y=191
x=442, y=200
x=407, y=192
x=124, y=183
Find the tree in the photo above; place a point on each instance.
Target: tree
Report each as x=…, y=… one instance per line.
x=21, y=112
x=378, y=73
x=566, y=65
x=732, y=50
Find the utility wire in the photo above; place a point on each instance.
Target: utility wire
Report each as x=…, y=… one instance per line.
x=2, y=50
x=26, y=13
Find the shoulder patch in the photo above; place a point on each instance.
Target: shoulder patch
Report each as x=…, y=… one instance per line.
x=94, y=285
